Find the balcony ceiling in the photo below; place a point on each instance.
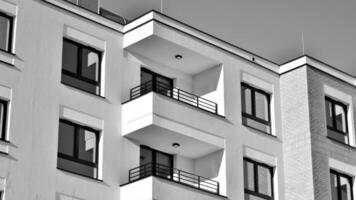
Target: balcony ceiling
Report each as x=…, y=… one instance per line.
x=163, y=52
x=160, y=138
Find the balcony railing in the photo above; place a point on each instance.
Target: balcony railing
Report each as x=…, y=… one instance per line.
x=176, y=175
x=175, y=93
x=94, y=7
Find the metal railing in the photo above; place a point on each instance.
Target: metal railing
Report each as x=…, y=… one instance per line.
x=175, y=93
x=94, y=7
x=173, y=174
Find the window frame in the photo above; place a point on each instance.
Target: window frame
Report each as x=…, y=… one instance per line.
x=75, y=158
x=79, y=67
x=255, y=174
x=253, y=107
x=344, y=107
x=4, y=120
x=11, y=27
x=349, y=178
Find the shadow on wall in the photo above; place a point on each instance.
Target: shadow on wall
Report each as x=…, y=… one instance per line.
x=61, y=196
x=209, y=84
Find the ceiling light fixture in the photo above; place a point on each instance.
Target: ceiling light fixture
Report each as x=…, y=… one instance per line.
x=178, y=57
x=175, y=145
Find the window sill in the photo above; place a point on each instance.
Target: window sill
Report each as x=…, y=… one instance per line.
x=81, y=90
x=7, y=58
x=259, y=131
x=80, y=175
x=341, y=143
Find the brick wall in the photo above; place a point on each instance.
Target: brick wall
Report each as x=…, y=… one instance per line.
x=322, y=147
x=296, y=135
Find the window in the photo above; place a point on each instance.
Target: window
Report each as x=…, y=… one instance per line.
x=163, y=160
x=156, y=82
x=6, y=23
x=341, y=186
x=78, y=149
x=336, y=120
x=258, y=180
x=3, y=120
x=255, y=108
x=81, y=67
x=91, y=5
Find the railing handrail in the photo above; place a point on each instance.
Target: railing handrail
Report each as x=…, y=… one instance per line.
x=153, y=169
x=175, y=93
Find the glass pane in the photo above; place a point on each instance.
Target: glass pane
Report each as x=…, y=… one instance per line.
x=145, y=77
x=87, y=145
x=249, y=176
x=264, y=181
x=345, y=188
x=91, y=5
x=145, y=156
x=246, y=100
x=164, y=165
x=329, y=113
x=333, y=181
x=257, y=125
x=4, y=33
x=164, y=85
x=261, y=106
x=90, y=64
x=340, y=116
x=70, y=56
x=80, y=84
x=77, y=167
x=66, y=139
x=2, y=118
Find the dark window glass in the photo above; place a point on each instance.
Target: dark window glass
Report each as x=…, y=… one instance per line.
x=91, y=5
x=163, y=161
x=156, y=82
x=255, y=108
x=6, y=23
x=257, y=180
x=77, y=149
x=70, y=57
x=341, y=186
x=336, y=119
x=3, y=120
x=66, y=139
x=81, y=67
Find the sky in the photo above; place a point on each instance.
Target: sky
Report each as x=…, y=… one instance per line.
x=272, y=29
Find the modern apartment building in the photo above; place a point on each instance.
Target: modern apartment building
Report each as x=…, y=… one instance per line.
x=94, y=106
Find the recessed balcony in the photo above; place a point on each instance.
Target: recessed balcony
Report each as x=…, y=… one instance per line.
x=155, y=181
x=174, y=93
x=158, y=116
x=175, y=175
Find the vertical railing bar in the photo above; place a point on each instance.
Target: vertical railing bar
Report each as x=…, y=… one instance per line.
x=199, y=182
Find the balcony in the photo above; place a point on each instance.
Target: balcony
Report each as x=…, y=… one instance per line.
x=155, y=181
x=95, y=7
x=176, y=175
x=158, y=116
x=174, y=93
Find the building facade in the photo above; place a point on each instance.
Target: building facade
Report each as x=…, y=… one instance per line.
x=95, y=106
